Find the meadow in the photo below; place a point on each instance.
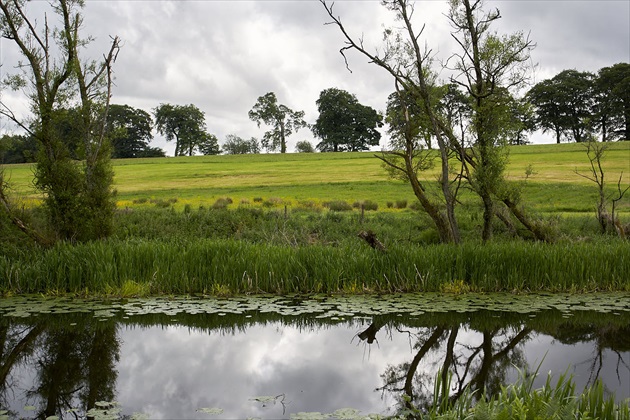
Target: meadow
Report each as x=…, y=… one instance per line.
x=547, y=174
x=228, y=225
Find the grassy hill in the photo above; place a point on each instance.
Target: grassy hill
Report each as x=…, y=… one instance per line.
x=291, y=179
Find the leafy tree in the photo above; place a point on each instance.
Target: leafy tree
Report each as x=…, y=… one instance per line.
x=129, y=130
x=405, y=112
x=304, y=146
x=612, y=115
x=235, y=145
x=282, y=119
x=564, y=104
x=17, y=148
x=209, y=144
x=344, y=124
x=185, y=124
x=78, y=195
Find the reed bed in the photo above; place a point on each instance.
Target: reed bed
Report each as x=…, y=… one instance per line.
x=208, y=266
x=521, y=400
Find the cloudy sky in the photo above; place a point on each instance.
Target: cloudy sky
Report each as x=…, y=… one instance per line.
x=222, y=55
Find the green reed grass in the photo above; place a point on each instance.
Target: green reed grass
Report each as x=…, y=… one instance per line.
x=205, y=265
x=522, y=401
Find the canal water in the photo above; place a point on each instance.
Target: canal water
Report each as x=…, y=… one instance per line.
x=294, y=357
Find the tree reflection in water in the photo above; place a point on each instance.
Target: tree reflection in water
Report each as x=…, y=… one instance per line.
x=76, y=365
x=64, y=365
x=486, y=365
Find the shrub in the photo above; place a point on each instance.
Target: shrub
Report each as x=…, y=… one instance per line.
x=338, y=205
x=140, y=200
x=222, y=203
x=401, y=204
x=272, y=202
x=390, y=204
x=366, y=205
x=258, y=199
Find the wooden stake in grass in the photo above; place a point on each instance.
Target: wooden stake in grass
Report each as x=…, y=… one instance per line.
x=370, y=237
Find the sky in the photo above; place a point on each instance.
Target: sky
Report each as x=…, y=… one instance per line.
x=222, y=55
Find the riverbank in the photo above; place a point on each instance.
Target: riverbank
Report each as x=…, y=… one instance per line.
x=230, y=267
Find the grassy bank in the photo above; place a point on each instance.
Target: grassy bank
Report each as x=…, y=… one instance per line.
x=223, y=267
x=289, y=223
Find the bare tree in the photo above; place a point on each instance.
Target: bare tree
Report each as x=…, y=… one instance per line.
x=410, y=66
x=608, y=222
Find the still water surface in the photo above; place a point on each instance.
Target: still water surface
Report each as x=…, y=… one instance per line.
x=255, y=362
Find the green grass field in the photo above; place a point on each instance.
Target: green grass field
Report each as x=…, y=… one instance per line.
x=201, y=180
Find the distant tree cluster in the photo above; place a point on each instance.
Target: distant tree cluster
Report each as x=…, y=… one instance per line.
x=575, y=105
x=235, y=145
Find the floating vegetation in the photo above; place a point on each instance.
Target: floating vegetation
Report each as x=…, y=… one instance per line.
x=212, y=411
x=321, y=306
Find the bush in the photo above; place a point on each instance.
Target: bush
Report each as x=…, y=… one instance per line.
x=272, y=202
x=222, y=203
x=401, y=204
x=338, y=205
x=366, y=205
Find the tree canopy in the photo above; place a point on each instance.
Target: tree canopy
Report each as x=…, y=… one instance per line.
x=185, y=124
x=344, y=124
x=235, y=145
x=129, y=130
x=282, y=119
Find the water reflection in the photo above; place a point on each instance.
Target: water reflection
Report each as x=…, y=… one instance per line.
x=269, y=366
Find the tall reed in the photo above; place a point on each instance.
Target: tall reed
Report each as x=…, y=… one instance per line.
x=204, y=265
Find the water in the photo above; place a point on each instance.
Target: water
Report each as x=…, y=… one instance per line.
x=182, y=359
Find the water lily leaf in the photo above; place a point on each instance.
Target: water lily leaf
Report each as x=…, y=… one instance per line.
x=309, y=416
x=212, y=411
x=29, y=408
x=346, y=414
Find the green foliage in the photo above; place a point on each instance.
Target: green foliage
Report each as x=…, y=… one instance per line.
x=564, y=104
x=234, y=145
x=191, y=265
x=17, y=149
x=344, y=124
x=304, y=146
x=338, y=205
x=612, y=87
x=186, y=125
x=282, y=119
x=222, y=203
x=129, y=130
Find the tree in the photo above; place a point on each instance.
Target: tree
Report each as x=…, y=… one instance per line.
x=129, y=130
x=235, y=145
x=344, y=124
x=612, y=116
x=283, y=121
x=209, y=144
x=17, y=148
x=485, y=63
x=185, y=124
x=487, y=66
x=304, y=146
x=78, y=195
x=564, y=104
x=405, y=61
